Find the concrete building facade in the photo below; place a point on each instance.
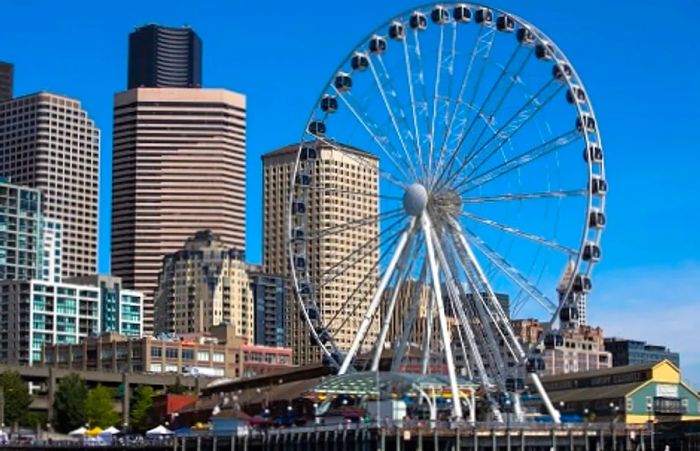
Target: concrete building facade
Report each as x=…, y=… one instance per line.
x=204, y=284
x=52, y=246
x=49, y=143
x=20, y=232
x=335, y=173
x=164, y=57
x=178, y=167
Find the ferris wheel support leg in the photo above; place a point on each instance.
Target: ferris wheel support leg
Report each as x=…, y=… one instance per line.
x=556, y=416
x=367, y=320
x=402, y=270
x=428, y=230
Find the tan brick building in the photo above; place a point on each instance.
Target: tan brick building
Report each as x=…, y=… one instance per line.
x=345, y=189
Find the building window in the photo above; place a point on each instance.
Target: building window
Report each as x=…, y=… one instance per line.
x=630, y=405
x=203, y=356
x=171, y=353
x=156, y=352
x=156, y=367
x=218, y=357
x=187, y=354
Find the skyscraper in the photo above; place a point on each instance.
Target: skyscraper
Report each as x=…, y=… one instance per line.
x=6, y=80
x=339, y=173
x=20, y=232
x=178, y=167
x=48, y=142
x=164, y=57
x=270, y=297
x=202, y=285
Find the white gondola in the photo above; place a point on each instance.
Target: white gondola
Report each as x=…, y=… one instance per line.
x=505, y=23
x=525, y=36
x=576, y=95
x=440, y=15
x=599, y=186
x=329, y=104
x=591, y=252
x=585, y=123
x=582, y=284
x=561, y=72
x=596, y=219
x=418, y=21
x=343, y=82
x=317, y=128
x=377, y=45
x=544, y=51
x=484, y=16
x=593, y=153
x=397, y=31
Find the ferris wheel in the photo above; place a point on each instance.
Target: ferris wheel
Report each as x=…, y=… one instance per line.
x=452, y=158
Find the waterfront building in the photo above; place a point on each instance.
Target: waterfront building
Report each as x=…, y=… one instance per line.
x=570, y=350
x=164, y=57
x=219, y=354
x=269, y=297
x=178, y=167
x=6, y=80
x=48, y=142
x=633, y=352
x=338, y=172
x=631, y=394
x=202, y=285
x=35, y=312
x=20, y=231
x=121, y=309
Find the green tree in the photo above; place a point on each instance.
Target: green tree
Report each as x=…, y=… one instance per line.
x=177, y=388
x=17, y=397
x=99, y=407
x=69, y=403
x=141, y=407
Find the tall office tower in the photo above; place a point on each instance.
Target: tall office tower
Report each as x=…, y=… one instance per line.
x=202, y=285
x=178, y=167
x=48, y=142
x=269, y=297
x=164, y=57
x=20, y=231
x=339, y=172
x=6, y=80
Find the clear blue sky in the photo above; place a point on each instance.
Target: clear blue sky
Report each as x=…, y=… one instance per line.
x=639, y=60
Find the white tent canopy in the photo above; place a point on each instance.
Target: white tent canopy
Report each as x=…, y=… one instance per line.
x=111, y=430
x=78, y=432
x=159, y=430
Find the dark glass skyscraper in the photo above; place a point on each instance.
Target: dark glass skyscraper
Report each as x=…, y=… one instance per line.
x=6, y=76
x=164, y=57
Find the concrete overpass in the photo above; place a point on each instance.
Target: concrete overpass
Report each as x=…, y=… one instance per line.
x=47, y=379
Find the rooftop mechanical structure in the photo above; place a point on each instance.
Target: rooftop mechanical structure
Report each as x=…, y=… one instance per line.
x=491, y=179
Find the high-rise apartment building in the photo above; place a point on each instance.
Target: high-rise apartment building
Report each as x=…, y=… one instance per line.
x=6, y=80
x=178, y=167
x=164, y=57
x=121, y=309
x=269, y=297
x=20, y=232
x=52, y=244
x=48, y=142
x=339, y=171
x=35, y=312
x=202, y=285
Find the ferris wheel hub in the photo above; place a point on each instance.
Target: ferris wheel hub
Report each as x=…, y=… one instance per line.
x=415, y=199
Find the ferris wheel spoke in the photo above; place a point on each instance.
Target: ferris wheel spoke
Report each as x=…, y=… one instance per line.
x=512, y=126
x=525, y=158
x=356, y=222
x=361, y=161
x=526, y=196
x=436, y=97
x=423, y=105
x=528, y=236
x=508, y=130
x=482, y=44
x=491, y=115
x=416, y=128
x=362, y=252
x=512, y=273
x=390, y=111
x=374, y=304
x=373, y=130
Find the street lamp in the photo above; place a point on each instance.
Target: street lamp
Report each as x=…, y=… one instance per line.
x=650, y=409
x=614, y=411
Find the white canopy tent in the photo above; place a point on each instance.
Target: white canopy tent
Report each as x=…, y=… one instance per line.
x=111, y=430
x=78, y=432
x=159, y=431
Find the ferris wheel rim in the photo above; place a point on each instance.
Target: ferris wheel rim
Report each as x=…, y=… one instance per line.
x=559, y=60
